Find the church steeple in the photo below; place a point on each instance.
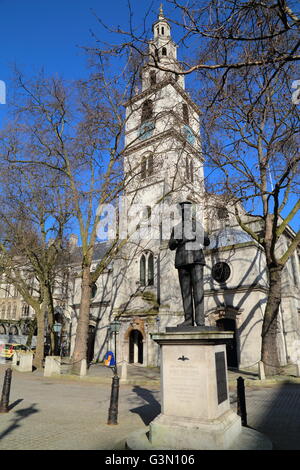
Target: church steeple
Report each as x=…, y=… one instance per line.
x=165, y=48
x=162, y=61
x=161, y=27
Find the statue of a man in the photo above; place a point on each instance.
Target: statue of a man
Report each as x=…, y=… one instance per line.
x=188, y=239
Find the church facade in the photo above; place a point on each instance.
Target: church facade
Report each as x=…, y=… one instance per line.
x=163, y=165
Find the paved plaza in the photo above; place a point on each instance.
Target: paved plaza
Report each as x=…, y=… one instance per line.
x=71, y=413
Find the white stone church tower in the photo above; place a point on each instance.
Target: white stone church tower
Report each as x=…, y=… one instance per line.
x=162, y=165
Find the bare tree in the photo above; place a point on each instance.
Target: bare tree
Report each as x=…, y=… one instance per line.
x=76, y=131
x=252, y=147
x=33, y=217
x=225, y=32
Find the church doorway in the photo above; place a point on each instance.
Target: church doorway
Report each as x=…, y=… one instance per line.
x=228, y=324
x=136, y=347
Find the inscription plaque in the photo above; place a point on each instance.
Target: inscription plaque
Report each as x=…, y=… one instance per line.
x=221, y=377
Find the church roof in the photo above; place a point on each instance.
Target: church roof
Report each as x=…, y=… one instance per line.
x=228, y=236
x=99, y=252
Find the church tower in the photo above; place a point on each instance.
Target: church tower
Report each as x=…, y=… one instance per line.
x=162, y=135
x=162, y=164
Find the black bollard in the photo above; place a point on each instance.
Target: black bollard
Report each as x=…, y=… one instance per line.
x=114, y=398
x=241, y=401
x=6, y=391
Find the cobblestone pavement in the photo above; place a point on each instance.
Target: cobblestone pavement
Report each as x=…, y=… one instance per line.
x=61, y=413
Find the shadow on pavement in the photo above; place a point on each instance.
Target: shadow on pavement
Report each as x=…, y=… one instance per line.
x=148, y=411
x=19, y=416
x=14, y=404
x=279, y=418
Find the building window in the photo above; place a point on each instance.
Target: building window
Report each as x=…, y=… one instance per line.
x=9, y=312
x=222, y=213
x=152, y=78
x=7, y=291
x=221, y=272
x=147, y=166
x=25, y=310
x=93, y=290
x=192, y=171
x=162, y=30
x=150, y=164
x=3, y=311
x=185, y=113
x=13, y=330
x=14, y=312
x=164, y=51
x=147, y=269
x=147, y=111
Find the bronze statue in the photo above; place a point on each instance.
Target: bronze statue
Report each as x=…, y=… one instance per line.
x=188, y=238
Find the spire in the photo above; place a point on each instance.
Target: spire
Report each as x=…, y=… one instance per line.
x=161, y=13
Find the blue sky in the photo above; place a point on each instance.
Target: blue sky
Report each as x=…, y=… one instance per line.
x=50, y=33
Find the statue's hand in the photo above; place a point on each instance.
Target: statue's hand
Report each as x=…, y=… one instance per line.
x=186, y=240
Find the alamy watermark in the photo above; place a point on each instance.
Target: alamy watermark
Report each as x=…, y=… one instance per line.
x=2, y=92
x=141, y=222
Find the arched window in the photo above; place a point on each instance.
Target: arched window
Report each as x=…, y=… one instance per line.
x=150, y=164
x=187, y=168
x=144, y=168
x=147, y=166
x=164, y=51
x=162, y=30
x=192, y=171
x=152, y=78
x=93, y=290
x=185, y=113
x=143, y=270
x=147, y=111
x=2, y=330
x=13, y=330
x=147, y=269
x=150, y=273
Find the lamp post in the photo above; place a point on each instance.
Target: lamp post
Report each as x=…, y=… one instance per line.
x=114, y=397
x=57, y=330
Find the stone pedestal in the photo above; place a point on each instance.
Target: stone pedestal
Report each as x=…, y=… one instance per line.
x=52, y=366
x=22, y=361
x=195, y=408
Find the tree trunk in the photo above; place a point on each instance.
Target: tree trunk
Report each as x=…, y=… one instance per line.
x=39, y=354
x=270, y=352
x=50, y=330
x=80, y=349
x=31, y=328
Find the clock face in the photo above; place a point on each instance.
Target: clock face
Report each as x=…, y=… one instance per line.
x=188, y=134
x=146, y=130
